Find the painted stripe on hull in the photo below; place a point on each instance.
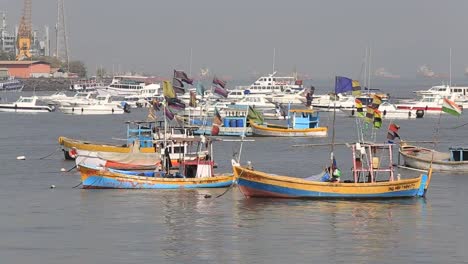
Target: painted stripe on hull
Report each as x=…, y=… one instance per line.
x=256, y=189
x=98, y=182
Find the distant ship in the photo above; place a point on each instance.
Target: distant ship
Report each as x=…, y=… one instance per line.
x=425, y=71
x=383, y=73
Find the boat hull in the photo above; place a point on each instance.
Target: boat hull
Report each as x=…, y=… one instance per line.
x=104, y=179
x=420, y=158
x=258, y=184
x=26, y=109
x=260, y=130
x=77, y=110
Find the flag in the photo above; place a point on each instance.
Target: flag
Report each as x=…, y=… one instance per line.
x=168, y=91
x=219, y=82
x=182, y=76
x=256, y=116
x=216, y=123
x=168, y=113
x=376, y=101
x=178, y=86
x=393, y=127
x=175, y=103
x=155, y=104
x=200, y=89
x=369, y=114
x=343, y=84
x=450, y=107
x=356, y=88
x=359, y=109
x=221, y=91
x=377, y=118
x=193, y=99
x=392, y=132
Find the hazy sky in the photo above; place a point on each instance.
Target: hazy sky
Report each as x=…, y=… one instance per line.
x=236, y=38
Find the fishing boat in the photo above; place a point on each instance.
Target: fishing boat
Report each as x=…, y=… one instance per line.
x=455, y=160
x=198, y=173
x=302, y=123
x=178, y=150
x=372, y=177
x=136, y=131
x=234, y=122
x=26, y=105
x=142, y=133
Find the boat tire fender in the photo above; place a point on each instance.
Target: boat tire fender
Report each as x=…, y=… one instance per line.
x=112, y=110
x=352, y=112
x=409, y=113
x=419, y=113
x=385, y=112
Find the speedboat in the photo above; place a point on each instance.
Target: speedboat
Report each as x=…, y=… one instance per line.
x=26, y=105
x=103, y=105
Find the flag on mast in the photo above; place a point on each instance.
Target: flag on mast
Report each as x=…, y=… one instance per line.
x=450, y=107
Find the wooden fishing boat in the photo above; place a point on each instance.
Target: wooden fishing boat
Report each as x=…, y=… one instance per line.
x=178, y=149
x=368, y=180
x=456, y=160
x=194, y=174
x=142, y=133
x=303, y=123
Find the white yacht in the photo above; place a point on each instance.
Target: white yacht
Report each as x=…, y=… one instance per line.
x=26, y=105
x=80, y=98
x=258, y=101
x=86, y=85
x=274, y=84
x=128, y=85
x=144, y=96
x=444, y=90
x=102, y=105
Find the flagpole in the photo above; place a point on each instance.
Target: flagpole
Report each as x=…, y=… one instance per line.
x=190, y=65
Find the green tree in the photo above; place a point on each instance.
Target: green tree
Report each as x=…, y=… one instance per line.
x=78, y=67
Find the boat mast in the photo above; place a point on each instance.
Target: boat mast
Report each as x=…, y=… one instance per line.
x=274, y=58
x=450, y=68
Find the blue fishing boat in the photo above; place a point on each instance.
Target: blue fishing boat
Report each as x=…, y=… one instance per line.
x=234, y=123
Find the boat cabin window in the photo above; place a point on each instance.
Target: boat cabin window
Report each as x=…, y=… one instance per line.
x=179, y=149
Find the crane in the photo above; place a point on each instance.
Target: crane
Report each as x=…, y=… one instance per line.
x=24, y=38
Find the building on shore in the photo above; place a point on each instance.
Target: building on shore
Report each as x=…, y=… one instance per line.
x=27, y=69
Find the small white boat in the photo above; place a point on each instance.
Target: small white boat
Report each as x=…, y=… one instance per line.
x=26, y=105
x=389, y=111
x=102, y=106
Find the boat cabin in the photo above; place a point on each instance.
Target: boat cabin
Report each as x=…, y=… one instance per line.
x=142, y=131
x=372, y=162
x=304, y=118
x=458, y=153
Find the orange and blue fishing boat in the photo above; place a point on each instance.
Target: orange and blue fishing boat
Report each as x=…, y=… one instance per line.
x=301, y=123
x=373, y=176
x=194, y=174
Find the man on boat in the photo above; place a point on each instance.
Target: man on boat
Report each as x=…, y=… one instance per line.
x=335, y=175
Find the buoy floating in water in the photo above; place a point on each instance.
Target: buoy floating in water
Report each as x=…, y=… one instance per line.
x=52, y=186
x=21, y=158
x=63, y=170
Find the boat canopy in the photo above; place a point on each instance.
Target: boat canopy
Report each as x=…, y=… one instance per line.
x=458, y=153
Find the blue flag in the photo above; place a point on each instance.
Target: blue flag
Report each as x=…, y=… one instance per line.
x=343, y=84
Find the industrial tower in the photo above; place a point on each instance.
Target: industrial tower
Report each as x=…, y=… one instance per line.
x=23, y=42
x=61, y=45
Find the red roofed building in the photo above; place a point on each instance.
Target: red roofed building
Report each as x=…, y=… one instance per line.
x=27, y=69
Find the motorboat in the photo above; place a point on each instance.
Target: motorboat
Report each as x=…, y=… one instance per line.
x=390, y=111
x=128, y=85
x=103, y=105
x=26, y=105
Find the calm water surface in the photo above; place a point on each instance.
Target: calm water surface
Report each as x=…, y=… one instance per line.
x=71, y=225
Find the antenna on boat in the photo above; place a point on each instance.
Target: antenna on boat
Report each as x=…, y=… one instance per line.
x=190, y=63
